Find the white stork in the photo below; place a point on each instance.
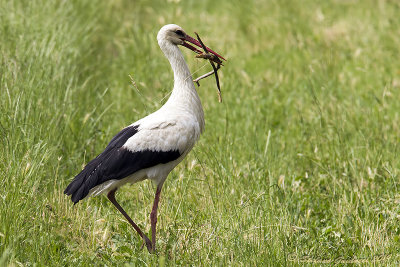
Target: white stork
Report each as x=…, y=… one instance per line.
x=151, y=147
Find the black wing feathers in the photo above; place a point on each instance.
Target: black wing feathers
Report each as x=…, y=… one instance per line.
x=117, y=163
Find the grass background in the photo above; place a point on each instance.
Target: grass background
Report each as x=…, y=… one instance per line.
x=300, y=163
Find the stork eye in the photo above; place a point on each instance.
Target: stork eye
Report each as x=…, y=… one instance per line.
x=179, y=32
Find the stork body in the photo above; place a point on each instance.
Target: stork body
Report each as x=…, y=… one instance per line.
x=151, y=147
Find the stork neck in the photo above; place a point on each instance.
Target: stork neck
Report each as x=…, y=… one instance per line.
x=184, y=90
x=184, y=96
x=182, y=75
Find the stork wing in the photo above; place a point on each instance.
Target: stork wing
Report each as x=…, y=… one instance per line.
x=118, y=161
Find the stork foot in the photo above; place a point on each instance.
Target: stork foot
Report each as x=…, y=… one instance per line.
x=148, y=244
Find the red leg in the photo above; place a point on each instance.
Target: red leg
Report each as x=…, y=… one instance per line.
x=111, y=197
x=153, y=217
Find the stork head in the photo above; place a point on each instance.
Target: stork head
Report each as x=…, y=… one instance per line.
x=175, y=35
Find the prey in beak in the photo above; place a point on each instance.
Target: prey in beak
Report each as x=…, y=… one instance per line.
x=213, y=57
x=198, y=43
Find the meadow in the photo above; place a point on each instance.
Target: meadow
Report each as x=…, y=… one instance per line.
x=298, y=165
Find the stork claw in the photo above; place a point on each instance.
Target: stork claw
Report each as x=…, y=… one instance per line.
x=147, y=242
x=148, y=245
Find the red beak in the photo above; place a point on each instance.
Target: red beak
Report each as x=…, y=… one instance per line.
x=197, y=43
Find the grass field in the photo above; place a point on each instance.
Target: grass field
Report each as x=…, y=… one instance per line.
x=299, y=164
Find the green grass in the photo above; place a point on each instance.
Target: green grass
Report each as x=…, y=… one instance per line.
x=300, y=163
